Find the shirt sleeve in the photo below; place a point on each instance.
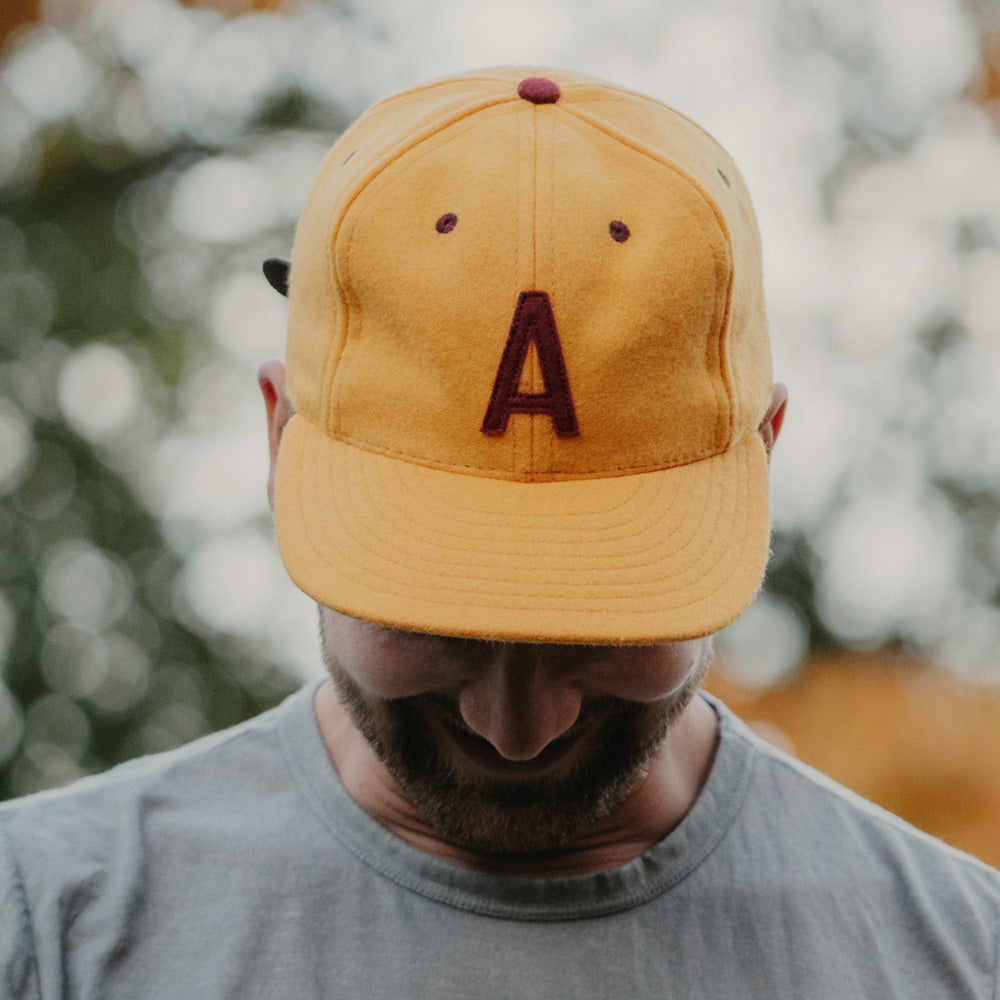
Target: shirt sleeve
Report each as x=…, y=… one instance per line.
x=18, y=960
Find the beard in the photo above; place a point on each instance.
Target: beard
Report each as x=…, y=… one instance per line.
x=512, y=818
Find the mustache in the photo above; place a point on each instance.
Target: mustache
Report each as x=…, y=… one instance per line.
x=606, y=710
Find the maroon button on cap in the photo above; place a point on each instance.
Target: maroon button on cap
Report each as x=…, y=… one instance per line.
x=538, y=90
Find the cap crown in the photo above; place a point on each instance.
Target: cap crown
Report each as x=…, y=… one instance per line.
x=440, y=207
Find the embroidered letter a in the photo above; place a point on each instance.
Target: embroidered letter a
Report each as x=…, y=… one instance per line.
x=533, y=322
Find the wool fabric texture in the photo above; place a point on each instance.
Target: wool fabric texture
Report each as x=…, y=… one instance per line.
x=430, y=218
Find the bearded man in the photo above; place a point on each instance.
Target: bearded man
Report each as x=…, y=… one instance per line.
x=519, y=453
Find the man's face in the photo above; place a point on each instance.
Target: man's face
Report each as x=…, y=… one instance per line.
x=510, y=749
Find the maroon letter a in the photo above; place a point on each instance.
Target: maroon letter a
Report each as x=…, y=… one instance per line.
x=533, y=322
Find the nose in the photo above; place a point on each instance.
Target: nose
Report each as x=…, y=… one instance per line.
x=519, y=700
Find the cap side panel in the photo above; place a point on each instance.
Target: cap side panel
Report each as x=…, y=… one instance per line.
x=416, y=374
x=672, y=137
x=315, y=321
x=316, y=333
x=520, y=429
x=641, y=320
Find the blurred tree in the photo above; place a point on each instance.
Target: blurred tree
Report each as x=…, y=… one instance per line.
x=152, y=153
x=103, y=656
x=15, y=13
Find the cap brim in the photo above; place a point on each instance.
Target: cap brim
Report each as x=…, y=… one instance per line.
x=656, y=557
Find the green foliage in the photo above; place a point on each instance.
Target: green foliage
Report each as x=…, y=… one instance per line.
x=103, y=659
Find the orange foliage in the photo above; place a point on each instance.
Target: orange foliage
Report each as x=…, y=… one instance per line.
x=233, y=8
x=897, y=732
x=14, y=13
x=985, y=88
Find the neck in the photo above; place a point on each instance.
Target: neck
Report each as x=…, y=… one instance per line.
x=663, y=796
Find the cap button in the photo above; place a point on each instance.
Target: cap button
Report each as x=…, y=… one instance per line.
x=538, y=90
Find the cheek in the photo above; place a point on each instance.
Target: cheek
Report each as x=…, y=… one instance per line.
x=652, y=673
x=383, y=664
x=390, y=680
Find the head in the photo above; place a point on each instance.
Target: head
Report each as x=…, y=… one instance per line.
x=508, y=749
x=525, y=474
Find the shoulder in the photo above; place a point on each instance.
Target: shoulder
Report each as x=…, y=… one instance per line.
x=814, y=827
x=213, y=773
x=147, y=844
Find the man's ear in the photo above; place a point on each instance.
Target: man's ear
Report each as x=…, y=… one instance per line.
x=271, y=379
x=770, y=425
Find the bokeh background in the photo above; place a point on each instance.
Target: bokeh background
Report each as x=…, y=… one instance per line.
x=152, y=153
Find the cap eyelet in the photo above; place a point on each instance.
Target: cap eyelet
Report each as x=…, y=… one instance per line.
x=446, y=223
x=619, y=231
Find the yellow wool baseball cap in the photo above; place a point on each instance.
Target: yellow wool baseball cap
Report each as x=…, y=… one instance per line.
x=528, y=356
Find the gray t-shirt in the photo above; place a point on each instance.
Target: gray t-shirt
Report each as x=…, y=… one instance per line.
x=239, y=867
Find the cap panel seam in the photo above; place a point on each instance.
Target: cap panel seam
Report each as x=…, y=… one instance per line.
x=651, y=153
x=340, y=260
x=722, y=444
x=615, y=93
x=536, y=201
x=349, y=306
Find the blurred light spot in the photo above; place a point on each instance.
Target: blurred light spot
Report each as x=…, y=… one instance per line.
x=20, y=149
x=818, y=442
x=765, y=645
x=126, y=671
x=28, y=309
x=57, y=720
x=236, y=64
x=171, y=726
x=222, y=200
x=140, y=211
x=248, y=318
x=82, y=585
x=291, y=161
x=41, y=766
x=33, y=377
x=482, y=30
x=981, y=305
x=179, y=281
x=964, y=441
x=8, y=627
x=48, y=486
x=49, y=75
x=99, y=391
x=13, y=248
x=11, y=725
x=133, y=122
x=218, y=482
x=211, y=474
x=231, y=582
x=939, y=39
x=68, y=662
x=109, y=670
x=334, y=61
x=140, y=29
x=15, y=446
x=972, y=648
x=889, y=564
x=892, y=275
